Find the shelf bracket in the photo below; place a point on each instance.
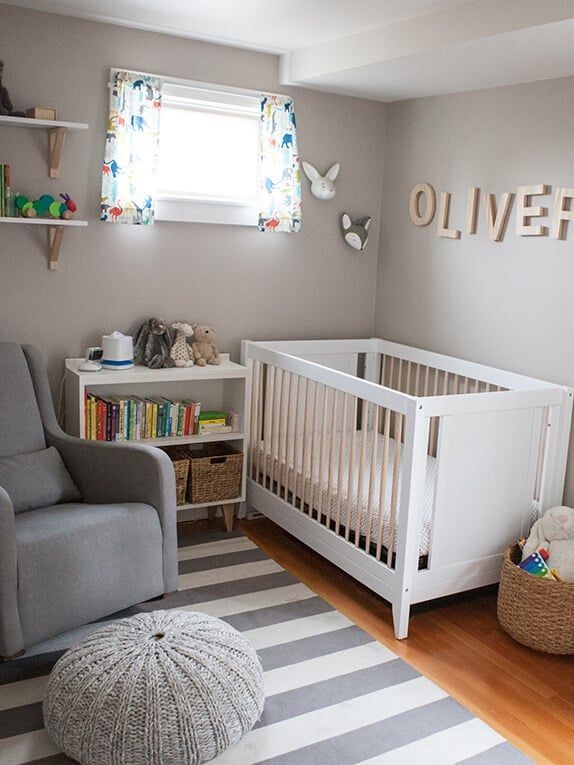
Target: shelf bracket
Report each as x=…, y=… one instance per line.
x=57, y=136
x=55, y=236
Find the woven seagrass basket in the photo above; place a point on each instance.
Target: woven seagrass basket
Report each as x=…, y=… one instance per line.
x=538, y=613
x=180, y=461
x=214, y=474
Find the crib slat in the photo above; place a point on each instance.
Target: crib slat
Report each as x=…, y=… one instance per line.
x=253, y=443
x=391, y=373
x=321, y=451
x=311, y=500
x=417, y=379
x=383, y=369
x=383, y=486
x=372, y=474
x=426, y=382
x=332, y=452
x=287, y=430
x=445, y=385
x=351, y=474
x=343, y=444
x=267, y=452
x=281, y=460
x=465, y=385
x=305, y=447
x=362, y=459
x=266, y=423
x=296, y=443
x=408, y=382
x=400, y=375
x=395, y=487
x=275, y=418
x=260, y=385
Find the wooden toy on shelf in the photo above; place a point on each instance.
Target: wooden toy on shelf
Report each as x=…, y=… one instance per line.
x=46, y=206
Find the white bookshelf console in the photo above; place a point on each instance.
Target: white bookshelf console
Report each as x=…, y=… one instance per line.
x=223, y=387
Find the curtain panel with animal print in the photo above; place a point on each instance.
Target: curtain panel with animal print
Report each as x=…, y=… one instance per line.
x=279, y=173
x=132, y=144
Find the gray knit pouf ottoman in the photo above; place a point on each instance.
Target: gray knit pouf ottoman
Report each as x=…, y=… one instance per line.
x=162, y=688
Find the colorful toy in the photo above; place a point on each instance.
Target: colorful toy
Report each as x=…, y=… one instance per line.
x=555, y=533
x=535, y=564
x=46, y=207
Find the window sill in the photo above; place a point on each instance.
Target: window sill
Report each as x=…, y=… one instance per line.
x=196, y=211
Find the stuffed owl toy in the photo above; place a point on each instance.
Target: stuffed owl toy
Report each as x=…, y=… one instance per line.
x=356, y=234
x=555, y=533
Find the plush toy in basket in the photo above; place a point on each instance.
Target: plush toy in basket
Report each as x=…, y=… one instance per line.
x=536, y=593
x=554, y=532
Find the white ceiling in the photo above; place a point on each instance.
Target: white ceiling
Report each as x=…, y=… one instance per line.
x=382, y=49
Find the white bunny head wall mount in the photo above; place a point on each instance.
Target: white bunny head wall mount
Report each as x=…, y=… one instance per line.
x=355, y=234
x=322, y=186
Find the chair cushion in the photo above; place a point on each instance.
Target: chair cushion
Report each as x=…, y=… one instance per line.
x=37, y=479
x=21, y=428
x=80, y=562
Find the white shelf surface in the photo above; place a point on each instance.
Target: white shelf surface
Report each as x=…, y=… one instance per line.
x=44, y=221
x=139, y=374
x=185, y=440
x=29, y=122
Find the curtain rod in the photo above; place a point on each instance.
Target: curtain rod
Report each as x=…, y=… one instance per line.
x=207, y=86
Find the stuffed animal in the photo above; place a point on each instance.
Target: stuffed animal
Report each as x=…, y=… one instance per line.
x=355, y=234
x=181, y=352
x=322, y=186
x=555, y=533
x=152, y=344
x=204, y=349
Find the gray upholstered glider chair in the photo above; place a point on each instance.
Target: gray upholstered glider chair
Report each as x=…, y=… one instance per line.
x=86, y=528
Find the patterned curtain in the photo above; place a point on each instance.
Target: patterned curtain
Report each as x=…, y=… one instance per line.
x=279, y=173
x=132, y=140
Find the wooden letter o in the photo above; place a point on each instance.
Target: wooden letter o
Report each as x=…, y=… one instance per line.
x=419, y=190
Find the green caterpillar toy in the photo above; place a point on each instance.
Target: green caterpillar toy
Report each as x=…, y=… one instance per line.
x=46, y=207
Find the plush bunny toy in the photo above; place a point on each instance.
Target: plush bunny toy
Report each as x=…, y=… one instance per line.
x=554, y=532
x=322, y=186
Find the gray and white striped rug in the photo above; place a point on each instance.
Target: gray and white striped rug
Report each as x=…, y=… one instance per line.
x=334, y=695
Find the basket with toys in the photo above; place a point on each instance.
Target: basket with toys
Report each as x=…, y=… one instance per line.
x=536, y=593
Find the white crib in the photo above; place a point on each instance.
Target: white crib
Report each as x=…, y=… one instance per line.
x=409, y=470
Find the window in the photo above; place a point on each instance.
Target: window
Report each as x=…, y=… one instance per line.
x=208, y=156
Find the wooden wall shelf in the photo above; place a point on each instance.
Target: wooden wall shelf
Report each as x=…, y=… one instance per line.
x=57, y=131
x=55, y=233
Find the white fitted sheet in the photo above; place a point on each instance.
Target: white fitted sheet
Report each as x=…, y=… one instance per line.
x=353, y=513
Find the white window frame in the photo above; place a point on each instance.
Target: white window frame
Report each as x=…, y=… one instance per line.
x=192, y=209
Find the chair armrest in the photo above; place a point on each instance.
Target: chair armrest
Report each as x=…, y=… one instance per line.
x=11, y=639
x=107, y=473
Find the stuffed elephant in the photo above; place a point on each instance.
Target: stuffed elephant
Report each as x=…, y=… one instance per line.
x=555, y=533
x=152, y=344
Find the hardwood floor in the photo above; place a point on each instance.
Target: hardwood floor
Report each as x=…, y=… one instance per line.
x=527, y=696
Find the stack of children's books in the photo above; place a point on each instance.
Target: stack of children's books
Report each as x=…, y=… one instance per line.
x=115, y=418
x=214, y=423
x=6, y=207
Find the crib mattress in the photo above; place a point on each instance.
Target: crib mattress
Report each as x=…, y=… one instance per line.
x=351, y=503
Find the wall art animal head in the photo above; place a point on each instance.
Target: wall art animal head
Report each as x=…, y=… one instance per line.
x=322, y=186
x=355, y=234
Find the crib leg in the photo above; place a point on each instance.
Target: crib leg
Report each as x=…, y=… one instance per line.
x=401, y=612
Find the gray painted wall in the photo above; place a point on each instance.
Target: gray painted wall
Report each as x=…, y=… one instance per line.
x=247, y=284
x=507, y=304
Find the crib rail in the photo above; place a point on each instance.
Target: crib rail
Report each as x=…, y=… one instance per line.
x=332, y=452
